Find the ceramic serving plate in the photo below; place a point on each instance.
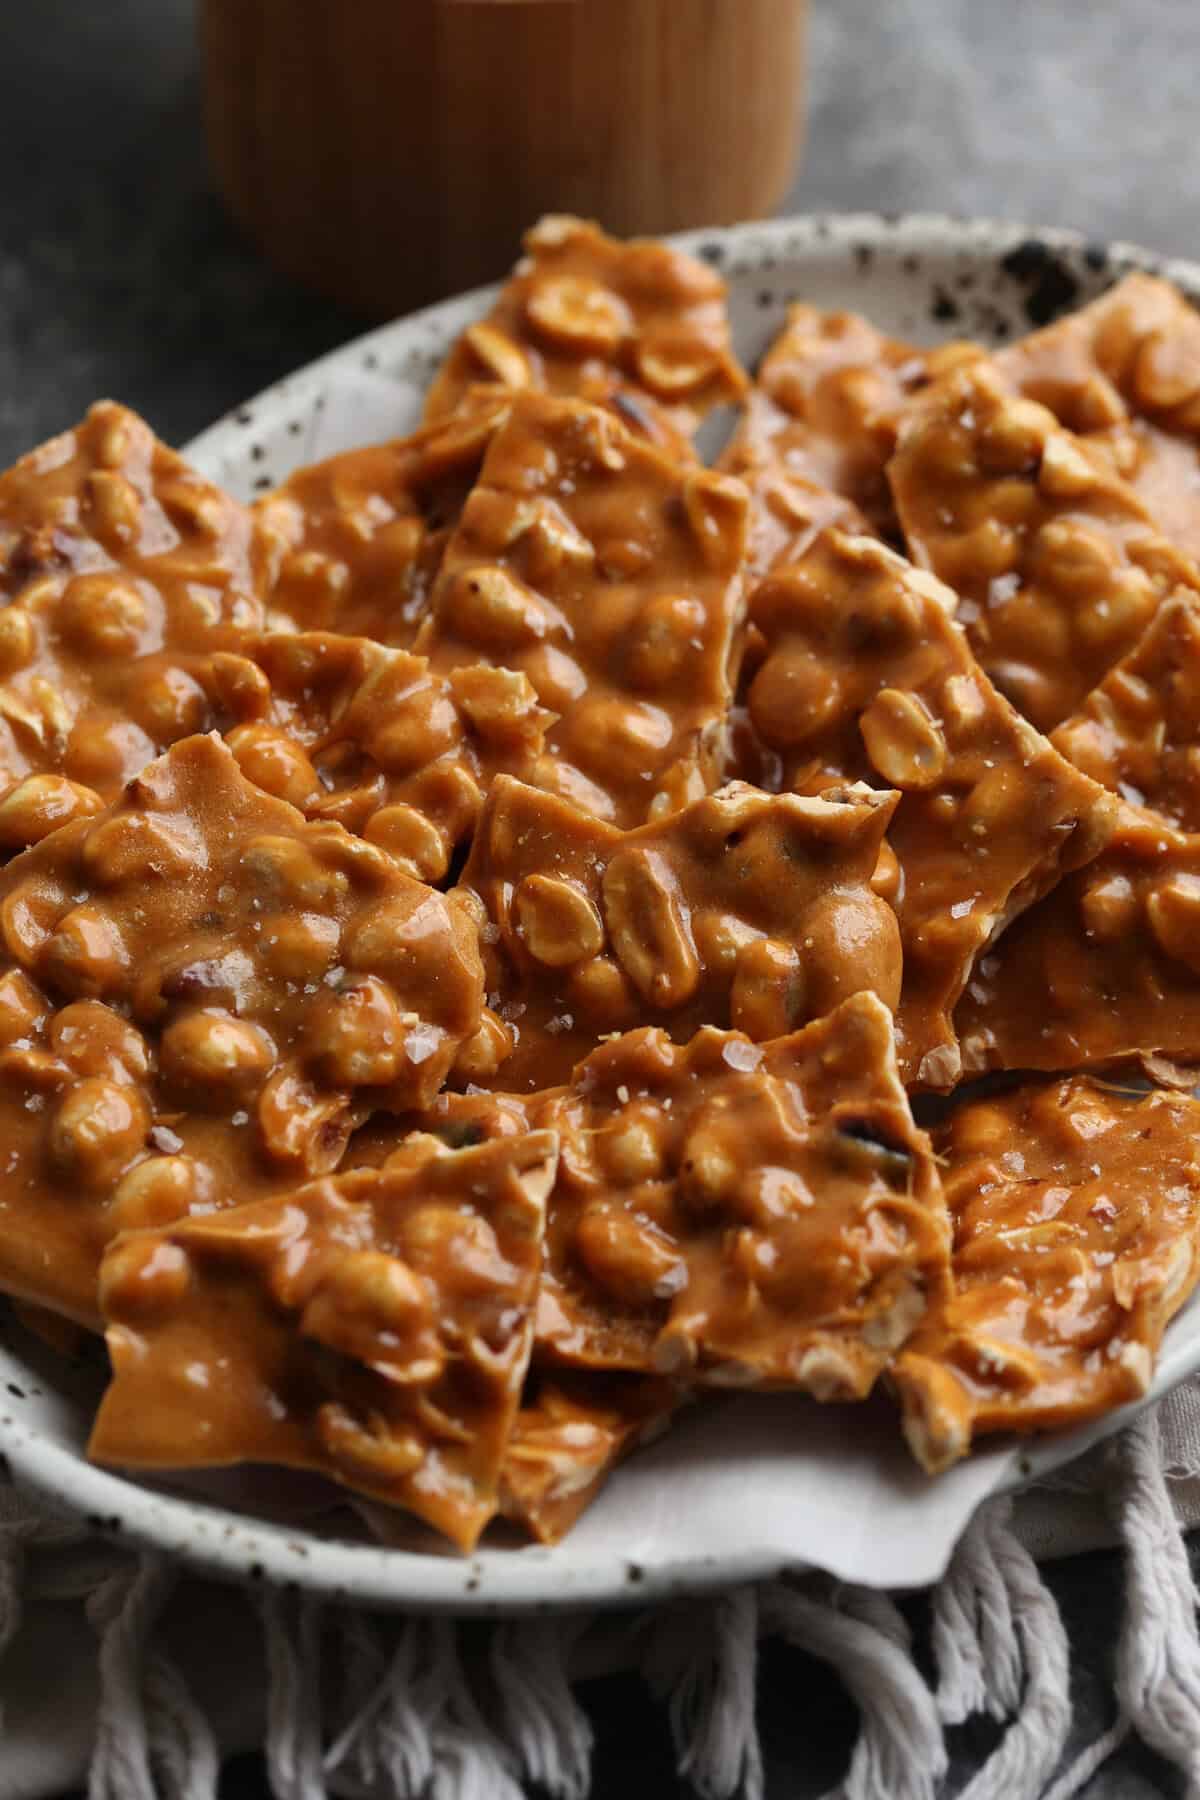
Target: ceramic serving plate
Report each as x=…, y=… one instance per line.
x=757, y=1484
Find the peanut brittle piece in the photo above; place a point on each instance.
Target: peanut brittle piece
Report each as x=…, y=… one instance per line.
x=1139, y=731
x=125, y=579
x=612, y=578
x=571, y=1432
x=826, y=402
x=1110, y=959
x=638, y=324
x=1124, y=373
x=1076, y=1220
x=374, y=1326
x=201, y=994
x=747, y=909
x=1059, y=564
x=788, y=514
x=459, y=1121
x=865, y=676
x=747, y=1214
x=355, y=542
x=350, y=730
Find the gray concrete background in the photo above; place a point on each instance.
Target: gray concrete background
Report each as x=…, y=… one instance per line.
x=119, y=274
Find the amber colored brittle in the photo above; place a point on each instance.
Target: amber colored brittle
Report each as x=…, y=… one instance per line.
x=744, y=1214
x=374, y=1326
x=354, y=543
x=1124, y=373
x=569, y=1435
x=201, y=995
x=459, y=1121
x=787, y=515
x=1110, y=958
x=126, y=580
x=350, y=730
x=1076, y=1219
x=865, y=676
x=746, y=909
x=639, y=325
x=612, y=578
x=1058, y=562
x=826, y=403
x=1139, y=731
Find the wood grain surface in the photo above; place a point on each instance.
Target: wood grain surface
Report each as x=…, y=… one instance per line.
x=391, y=151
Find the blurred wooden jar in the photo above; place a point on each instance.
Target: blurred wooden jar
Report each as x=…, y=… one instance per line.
x=388, y=152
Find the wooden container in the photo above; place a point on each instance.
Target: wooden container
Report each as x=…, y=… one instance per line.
x=391, y=151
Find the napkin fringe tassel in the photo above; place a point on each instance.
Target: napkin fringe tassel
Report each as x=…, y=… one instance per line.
x=382, y=1708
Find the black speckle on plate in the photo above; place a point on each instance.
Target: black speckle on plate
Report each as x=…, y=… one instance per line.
x=262, y=483
x=294, y=427
x=966, y=281
x=634, y=1572
x=713, y=252
x=910, y=263
x=371, y=360
x=257, y=453
x=1096, y=257
x=943, y=307
x=765, y=298
x=864, y=256
x=18, y=1393
x=244, y=415
x=1051, y=285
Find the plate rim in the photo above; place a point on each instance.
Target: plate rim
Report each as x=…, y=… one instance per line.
x=236, y=1547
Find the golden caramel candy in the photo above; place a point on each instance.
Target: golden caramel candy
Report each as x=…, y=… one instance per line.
x=1113, y=956
x=200, y=995
x=639, y=326
x=1059, y=564
x=1076, y=1217
x=374, y=1327
x=126, y=580
x=612, y=578
x=788, y=512
x=354, y=543
x=746, y=909
x=567, y=1438
x=1139, y=731
x=826, y=403
x=351, y=731
x=863, y=675
x=1124, y=374
x=742, y=1214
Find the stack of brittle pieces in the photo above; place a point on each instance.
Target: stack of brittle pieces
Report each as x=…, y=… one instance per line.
x=482, y=926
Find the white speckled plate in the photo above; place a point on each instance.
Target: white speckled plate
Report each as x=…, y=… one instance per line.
x=759, y=1484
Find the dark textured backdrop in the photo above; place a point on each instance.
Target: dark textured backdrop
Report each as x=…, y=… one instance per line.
x=120, y=275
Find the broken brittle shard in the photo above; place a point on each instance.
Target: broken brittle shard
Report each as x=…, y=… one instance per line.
x=745, y=909
x=202, y=993
x=374, y=1327
x=611, y=577
x=863, y=674
x=1076, y=1218
x=638, y=326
